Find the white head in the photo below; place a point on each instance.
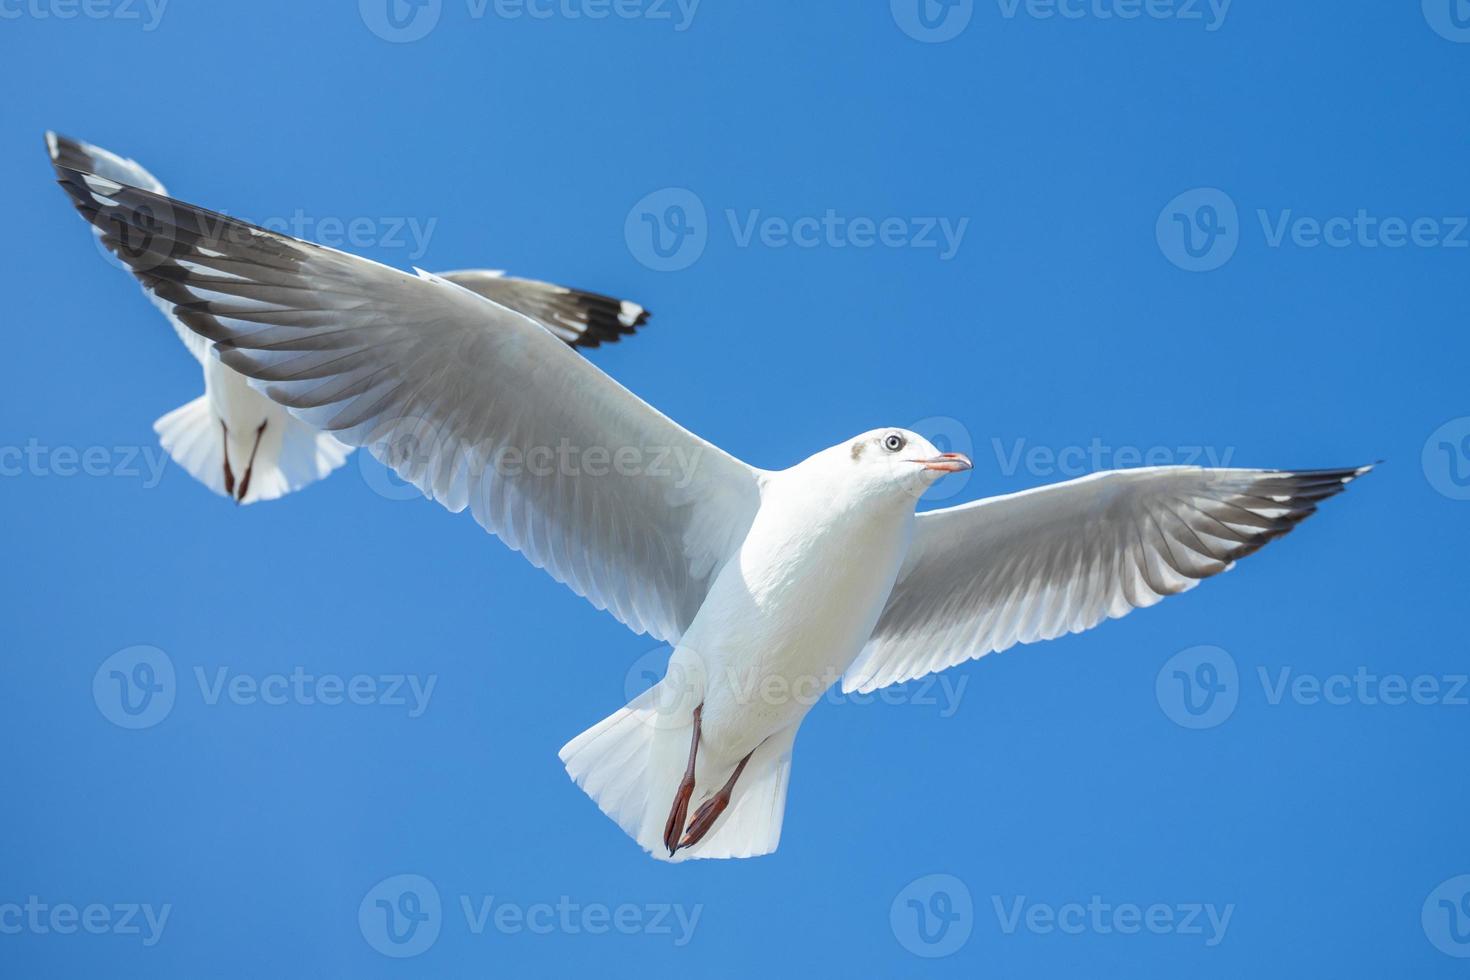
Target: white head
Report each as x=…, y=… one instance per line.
x=890, y=463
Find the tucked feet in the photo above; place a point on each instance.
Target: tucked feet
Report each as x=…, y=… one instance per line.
x=224, y=432
x=250, y=466
x=675, y=825
x=710, y=810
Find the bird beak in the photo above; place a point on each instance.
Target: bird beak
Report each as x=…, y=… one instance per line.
x=946, y=463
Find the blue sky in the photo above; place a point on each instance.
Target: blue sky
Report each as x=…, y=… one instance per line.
x=1061, y=238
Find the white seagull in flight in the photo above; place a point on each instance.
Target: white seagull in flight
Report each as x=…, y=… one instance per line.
x=762, y=580
x=244, y=446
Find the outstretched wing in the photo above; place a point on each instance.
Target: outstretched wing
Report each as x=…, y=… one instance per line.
x=581, y=318
x=475, y=404
x=76, y=155
x=1034, y=565
x=578, y=317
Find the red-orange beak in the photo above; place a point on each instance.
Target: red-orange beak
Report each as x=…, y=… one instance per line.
x=946, y=463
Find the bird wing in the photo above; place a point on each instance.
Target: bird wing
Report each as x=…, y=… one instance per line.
x=984, y=576
x=76, y=155
x=475, y=404
x=578, y=317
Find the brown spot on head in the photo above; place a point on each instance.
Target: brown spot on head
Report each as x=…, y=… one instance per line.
x=857, y=448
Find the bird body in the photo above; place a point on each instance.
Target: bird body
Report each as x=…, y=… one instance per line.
x=768, y=584
x=789, y=613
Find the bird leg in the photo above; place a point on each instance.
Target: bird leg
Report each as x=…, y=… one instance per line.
x=245, y=483
x=224, y=431
x=675, y=826
x=709, y=812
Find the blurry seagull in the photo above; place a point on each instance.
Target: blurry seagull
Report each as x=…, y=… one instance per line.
x=761, y=580
x=242, y=445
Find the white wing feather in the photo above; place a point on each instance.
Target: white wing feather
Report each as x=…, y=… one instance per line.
x=1060, y=559
x=475, y=404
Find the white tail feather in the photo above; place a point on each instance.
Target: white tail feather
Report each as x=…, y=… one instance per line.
x=192, y=437
x=631, y=762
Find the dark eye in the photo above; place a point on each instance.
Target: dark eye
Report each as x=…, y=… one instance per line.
x=893, y=442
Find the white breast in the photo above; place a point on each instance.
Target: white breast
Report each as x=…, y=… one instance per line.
x=791, y=610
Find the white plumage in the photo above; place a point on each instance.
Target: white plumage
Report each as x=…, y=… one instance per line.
x=769, y=584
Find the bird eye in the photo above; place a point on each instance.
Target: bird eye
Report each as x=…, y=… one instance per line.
x=893, y=442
